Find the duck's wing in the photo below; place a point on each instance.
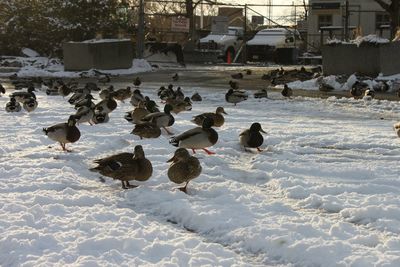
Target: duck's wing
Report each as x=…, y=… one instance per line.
x=190, y=134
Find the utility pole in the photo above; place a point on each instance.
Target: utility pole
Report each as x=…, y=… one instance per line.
x=346, y=21
x=140, y=31
x=244, y=35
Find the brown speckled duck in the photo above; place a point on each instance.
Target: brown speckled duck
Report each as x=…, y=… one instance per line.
x=126, y=167
x=397, y=128
x=146, y=130
x=122, y=94
x=217, y=117
x=184, y=168
x=64, y=132
x=13, y=105
x=30, y=104
x=136, y=115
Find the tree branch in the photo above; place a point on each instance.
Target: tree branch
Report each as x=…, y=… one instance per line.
x=383, y=4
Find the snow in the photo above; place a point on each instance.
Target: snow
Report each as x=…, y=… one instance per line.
x=325, y=191
x=372, y=38
x=45, y=67
x=104, y=40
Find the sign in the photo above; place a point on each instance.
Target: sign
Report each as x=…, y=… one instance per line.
x=323, y=6
x=259, y=20
x=219, y=24
x=180, y=24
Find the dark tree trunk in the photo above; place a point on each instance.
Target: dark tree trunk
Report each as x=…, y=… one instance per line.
x=394, y=11
x=189, y=14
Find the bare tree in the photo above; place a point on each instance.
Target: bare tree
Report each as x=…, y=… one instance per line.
x=393, y=8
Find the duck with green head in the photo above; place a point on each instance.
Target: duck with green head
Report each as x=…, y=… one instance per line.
x=197, y=138
x=64, y=132
x=251, y=138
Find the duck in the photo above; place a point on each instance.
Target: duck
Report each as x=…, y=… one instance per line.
x=2, y=89
x=122, y=94
x=100, y=117
x=179, y=95
x=251, y=137
x=175, y=77
x=237, y=76
x=64, y=133
x=235, y=96
x=263, y=93
x=234, y=85
x=197, y=138
x=323, y=86
x=64, y=90
x=286, y=91
x=137, y=114
x=84, y=114
x=217, y=117
x=13, y=105
x=151, y=105
x=146, y=130
x=52, y=91
x=369, y=94
x=180, y=105
x=107, y=105
x=161, y=119
x=106, y=92
x=358, y=89
x=91, y=87
x=136, y=98
x=30, y=104
x=184, y=168
x=86, y=101
x=22, y=96
x=196, y=97
x=166, y=93
x=125, y=167
x=78, y=96
x=396, y=128
x=381, y=86
x=137, y=82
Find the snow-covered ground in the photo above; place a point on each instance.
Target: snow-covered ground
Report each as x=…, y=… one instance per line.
x=325, y=192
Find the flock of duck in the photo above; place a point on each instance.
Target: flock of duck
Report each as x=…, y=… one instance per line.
x=148, y=121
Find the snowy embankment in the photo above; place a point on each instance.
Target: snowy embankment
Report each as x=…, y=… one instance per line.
x=325, y=192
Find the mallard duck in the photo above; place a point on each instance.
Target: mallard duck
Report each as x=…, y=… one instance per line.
x=136, y=98
x=122, y=94
x=184, y=168
x=100, y=117
x=217, y=117
x=175, y=77
x=263, y=93
x=196, y=97
x=235, y=96
x=252, y=137
x=146, y=130
x=137, y=82
x=286, y=91
x=136, y=115
x=237, y=76
x=22, y=96
x=358, y=89
x=107, y=105
x=397, y=128
x=13, y=105
x=161, y=119
x=30, y=104
x=78, y=96
x=234, y=85
x=369, y=94
x=105, y=93
x=64, y=90
x=85, y=102
x=151, y=105
x=180, y=105
x=197, y=138
x=105, y=78
x=92, y=87
x=126, y=167
x=2, y=89
x=179, y=95
x=64, y=132
x=84, y=114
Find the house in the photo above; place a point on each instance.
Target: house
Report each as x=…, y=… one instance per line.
x=327, y=20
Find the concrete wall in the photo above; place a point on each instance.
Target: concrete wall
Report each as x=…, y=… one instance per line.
x=105, y=55
x=368, y=59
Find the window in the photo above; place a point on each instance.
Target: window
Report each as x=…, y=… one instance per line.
x=324, y=20
x=381, y=19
